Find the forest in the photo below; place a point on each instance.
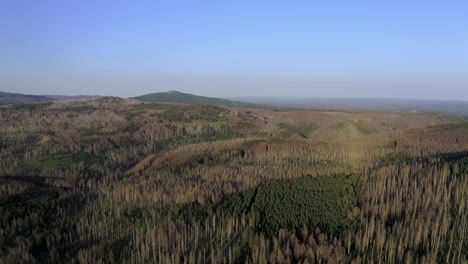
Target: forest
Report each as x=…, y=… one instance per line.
x=112, y=180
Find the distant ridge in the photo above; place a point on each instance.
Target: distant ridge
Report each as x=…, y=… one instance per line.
x=185, y=98
x=364, y=104
x=17, y=98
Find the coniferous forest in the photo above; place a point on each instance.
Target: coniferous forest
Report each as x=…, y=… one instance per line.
x=113, y=180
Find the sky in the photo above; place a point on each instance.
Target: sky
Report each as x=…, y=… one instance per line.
x=385, y=49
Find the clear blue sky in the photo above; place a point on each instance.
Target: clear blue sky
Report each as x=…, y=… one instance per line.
x=399, y=49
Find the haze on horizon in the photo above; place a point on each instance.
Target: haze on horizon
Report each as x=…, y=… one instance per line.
x=392, y=49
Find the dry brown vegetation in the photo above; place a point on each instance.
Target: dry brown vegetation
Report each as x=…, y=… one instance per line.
x=114, y=180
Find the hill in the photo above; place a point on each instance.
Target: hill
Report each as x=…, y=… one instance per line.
x=185, y=98
x=17, y=98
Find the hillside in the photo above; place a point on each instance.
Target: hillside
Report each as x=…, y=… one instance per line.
x=17, y=98
x=113, y=180
x=185, y=98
